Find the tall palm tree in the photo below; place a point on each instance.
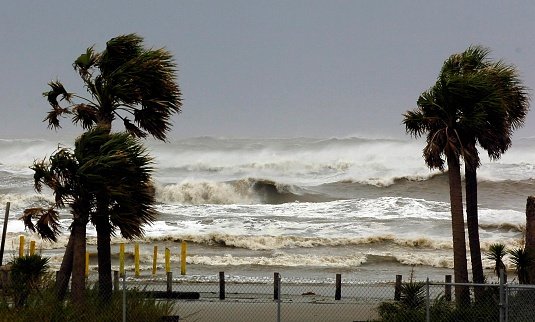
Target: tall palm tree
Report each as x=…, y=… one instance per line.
x=116, y=163
x=492, y=127
x=125, y=82
x=446, y=113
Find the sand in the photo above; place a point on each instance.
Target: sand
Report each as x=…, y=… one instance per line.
x=254, y=302
x=253, y=311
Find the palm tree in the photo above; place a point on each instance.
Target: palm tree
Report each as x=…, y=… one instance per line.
x=446, y=113
x=59, y=173
x=496, y=253
x=125, y=82
x=523, y=261
x=491, y=128
x=116, y=163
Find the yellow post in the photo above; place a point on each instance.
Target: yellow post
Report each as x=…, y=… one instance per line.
x=121, y=259
x=21, y=245
x=183, y=258
x=86, y=264
x=167, y=260
x=32, y=247
x=154, y=260
x=136, y=259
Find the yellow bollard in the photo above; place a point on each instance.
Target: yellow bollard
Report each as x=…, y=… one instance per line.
x=121, y=259
x=183, y=258
x=86, y=264
x=136, y=259
x=32, y=248
x=154, y=260
x=167, y=260
x=21, y=245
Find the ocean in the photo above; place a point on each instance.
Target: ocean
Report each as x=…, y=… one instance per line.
x=305, y=207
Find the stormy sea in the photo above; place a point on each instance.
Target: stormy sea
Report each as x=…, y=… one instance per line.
x=305, y=207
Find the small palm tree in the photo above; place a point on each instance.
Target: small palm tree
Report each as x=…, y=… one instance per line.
x=114, y=163
x=27, y=274
x=522, y=260
x=496, y=253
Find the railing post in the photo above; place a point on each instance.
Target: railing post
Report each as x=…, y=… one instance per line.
x=116, y=280
x=276, y=286
x=221, y=285
x=167, y=260
x=278, y=298
x=86, y=272
x=169, y=282
x=447, y=290
x=154, y=260
x=124, y=296
x=338, y=292
x=21, y=245
x=502, y=296
x=427, y=300
x=121, y=259
x=397, y=289
x=136, y=259
x=4, y=233
x=183, y=258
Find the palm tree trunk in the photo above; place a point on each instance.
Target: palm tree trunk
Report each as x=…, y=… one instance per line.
x=102, y=225
x=530, y=235
x=78, y=267
x=65, y=270
x=462, y=294
x=104, y=257
x=473, y=228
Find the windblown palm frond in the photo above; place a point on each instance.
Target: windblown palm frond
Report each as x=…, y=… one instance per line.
x=125, y=80
x=47, y=222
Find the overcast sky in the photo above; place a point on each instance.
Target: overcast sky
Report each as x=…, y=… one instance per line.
x=264, y=68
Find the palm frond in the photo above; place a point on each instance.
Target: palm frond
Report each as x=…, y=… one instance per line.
x=47, y=222
x=119, y=50
x=56, y=90
x=85, y=114
x=85, y=62
x=54, y=115
x=133, y=130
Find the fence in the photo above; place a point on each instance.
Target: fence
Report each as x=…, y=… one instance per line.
x=234, y=299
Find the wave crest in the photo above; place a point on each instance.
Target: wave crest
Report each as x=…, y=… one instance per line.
x=245, y=191
x=266, y=242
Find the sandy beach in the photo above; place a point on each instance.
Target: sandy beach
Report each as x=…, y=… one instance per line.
x=255, y=302
x=247, y=311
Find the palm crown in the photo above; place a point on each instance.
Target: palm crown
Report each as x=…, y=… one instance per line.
x=114, y=163
x=125, y=81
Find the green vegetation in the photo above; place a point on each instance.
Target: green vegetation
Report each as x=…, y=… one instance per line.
x=496, y=253
x=412, y=307
x=28, y=274
x=31, y=296
x=44, y=306
x=522, y=261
